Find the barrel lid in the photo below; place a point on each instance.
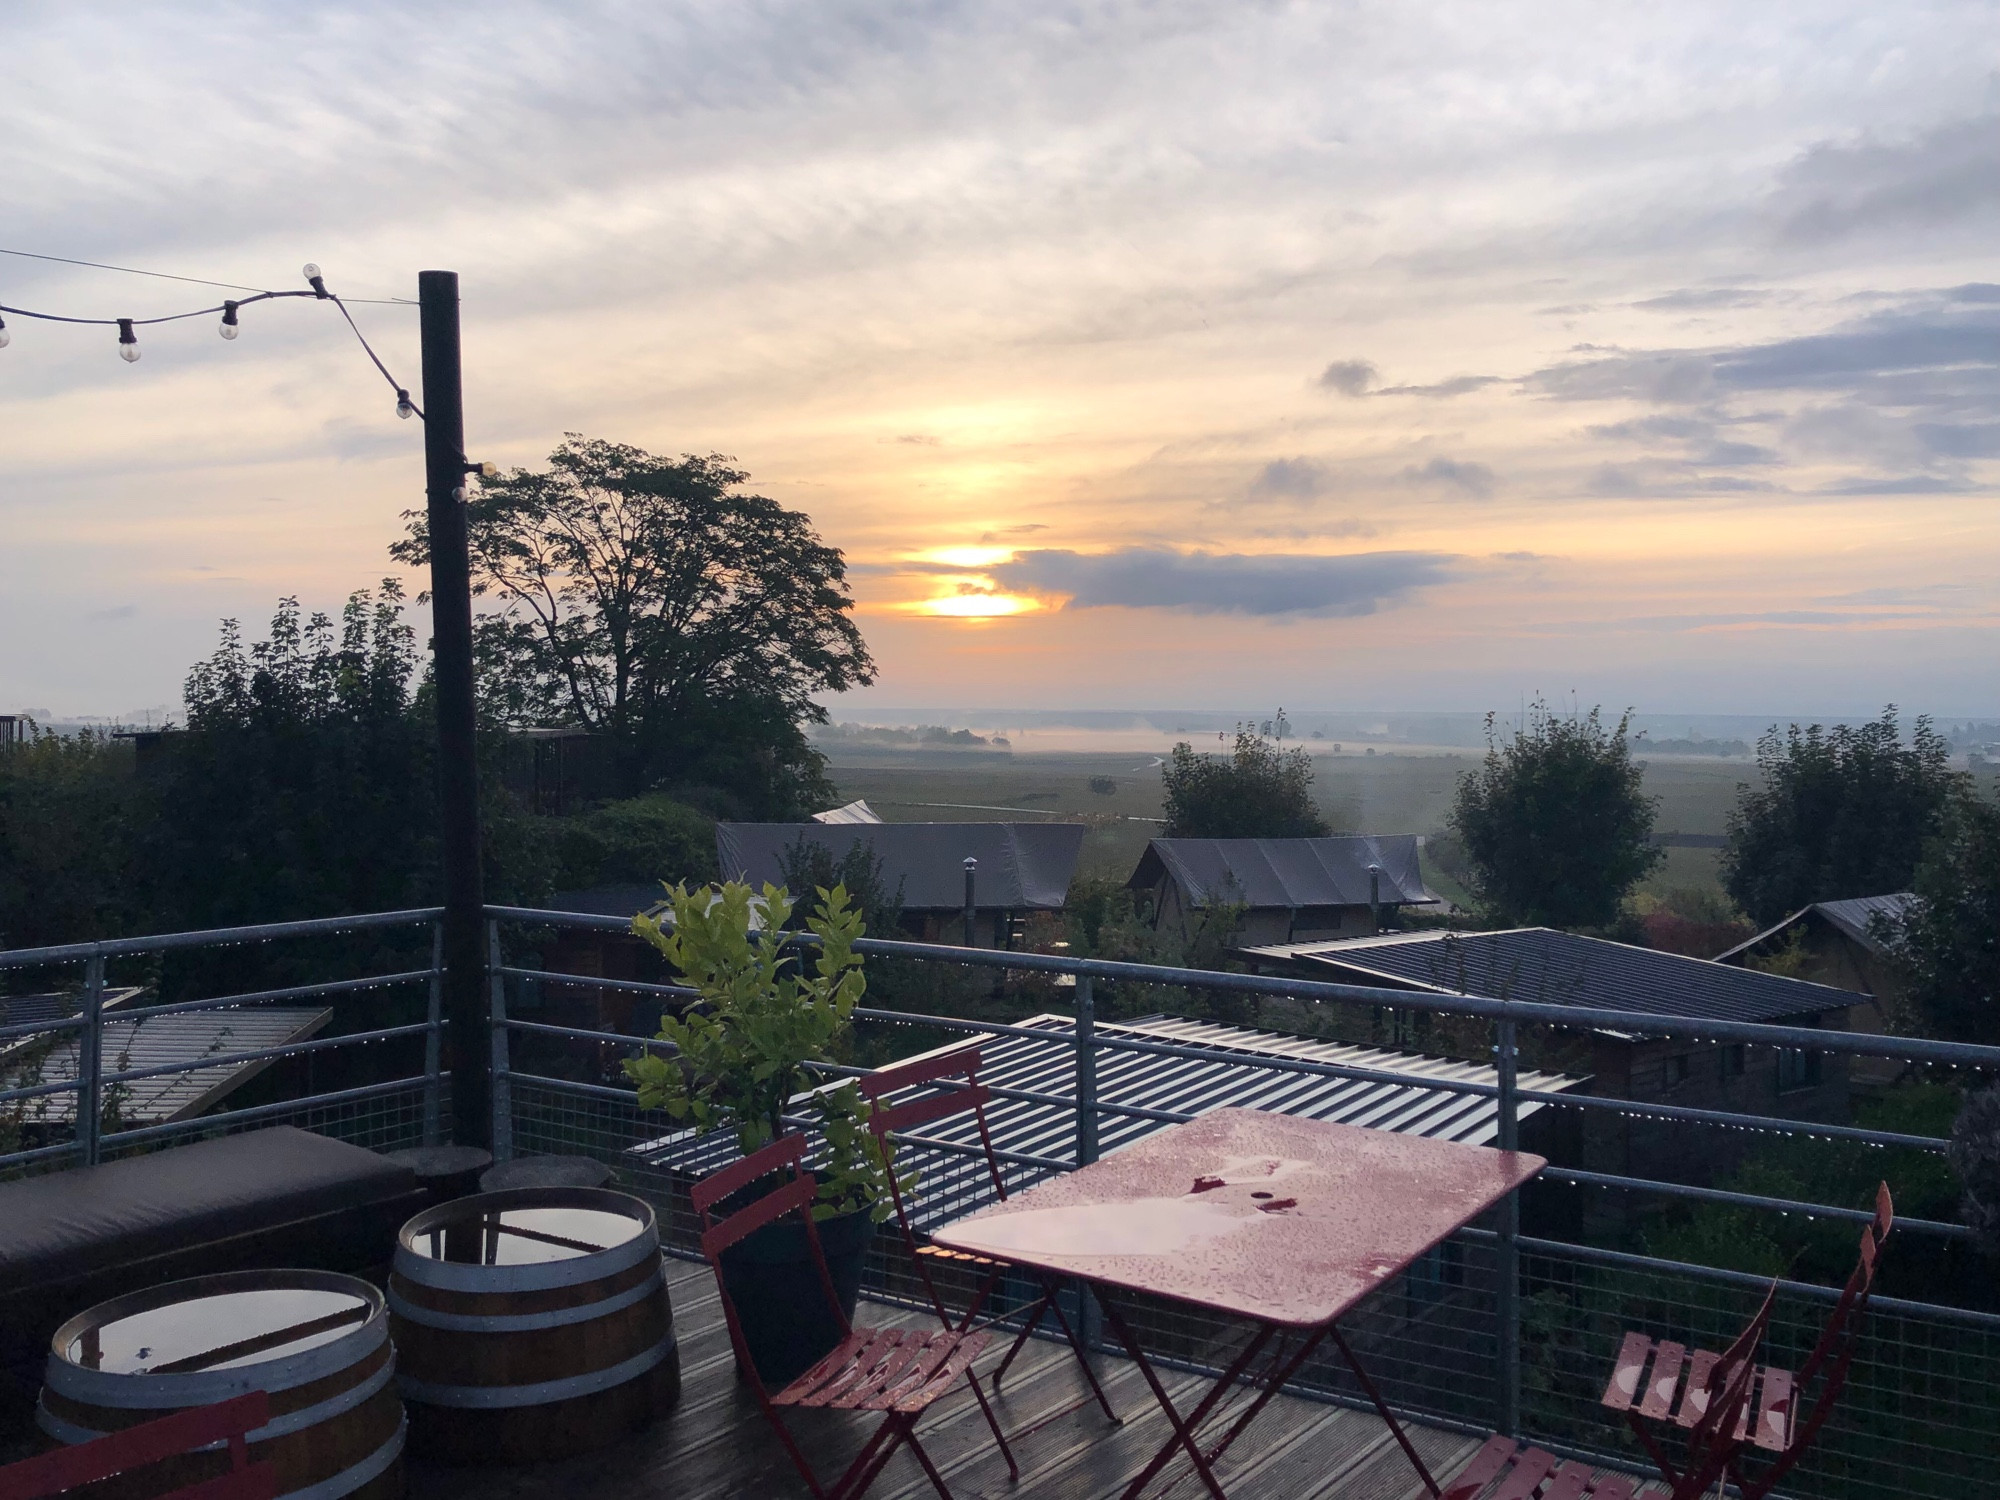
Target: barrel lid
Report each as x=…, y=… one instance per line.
x=525, y=1239
x=212, y=1336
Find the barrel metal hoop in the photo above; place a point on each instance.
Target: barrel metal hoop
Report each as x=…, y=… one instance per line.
x=560, y=1317
x=350, y=1479
x=542, y=1393
x=534, y=1276
x=310, y=1416
x=206, y=1387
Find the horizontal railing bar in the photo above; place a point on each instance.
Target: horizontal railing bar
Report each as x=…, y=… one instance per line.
x=1747, y=1200
x=45, y=1028
x=579, y=1034
x=40, y=1153
x=259, y=997
x=595, y=982
x=1749, y=1280
x=1574, y=1017
x=1627, y=1107
x=1773, y=1123
x=1065, y=1102
x=219, y=937
x=227, y=1059
x=262, y=1111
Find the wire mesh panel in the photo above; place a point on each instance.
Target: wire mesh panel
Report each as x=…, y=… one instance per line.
x=1920, y=1415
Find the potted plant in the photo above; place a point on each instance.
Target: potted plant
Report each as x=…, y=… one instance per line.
x=768, y=1009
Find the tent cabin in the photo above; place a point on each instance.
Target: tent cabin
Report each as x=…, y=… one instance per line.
x=1844, y=944
x=1020, y=868
x=1292, y=890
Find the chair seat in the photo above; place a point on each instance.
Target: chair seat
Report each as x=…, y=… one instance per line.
x=1664, y=1381
x=886, y=1369
x=1504, y=1469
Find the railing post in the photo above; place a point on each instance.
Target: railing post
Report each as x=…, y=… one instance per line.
x=503, y=1086
x=1086, y=1072
x=1087, y=1316
x=1507, y=1258
x=434, y=1044
x=90, y=1064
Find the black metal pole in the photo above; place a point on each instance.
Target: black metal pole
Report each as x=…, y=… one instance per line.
x=451, y=647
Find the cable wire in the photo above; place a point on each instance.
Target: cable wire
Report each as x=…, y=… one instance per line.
x=227, y=286
x=125, y=325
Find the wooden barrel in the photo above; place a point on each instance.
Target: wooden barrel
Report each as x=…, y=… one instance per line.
x=319, y=1343
x=532, y=1324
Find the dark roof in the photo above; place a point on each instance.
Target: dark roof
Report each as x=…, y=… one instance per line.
x=952, y=1184
x=1853, y=918
x=1286, y=873
x=1546, y=967
x=1022, y=866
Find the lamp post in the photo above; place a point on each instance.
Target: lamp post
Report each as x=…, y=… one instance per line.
x=445, y=468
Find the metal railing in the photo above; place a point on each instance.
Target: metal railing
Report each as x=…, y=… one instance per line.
x=1509, y=1327
x=1521, y=1323
x=405, y=1110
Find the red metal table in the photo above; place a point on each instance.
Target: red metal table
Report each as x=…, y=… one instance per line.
x=1284, y=1222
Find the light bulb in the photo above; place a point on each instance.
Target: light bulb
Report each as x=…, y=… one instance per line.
x=129, y=353
x=128, y=342
x=6, y=338
x=228, y=329
x=403, y=407
x=311, y=272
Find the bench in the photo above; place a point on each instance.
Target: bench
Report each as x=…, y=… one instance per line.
x=266, y=1198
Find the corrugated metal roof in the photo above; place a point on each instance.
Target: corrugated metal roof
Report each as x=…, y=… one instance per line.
x=1287, y=873
x=956, y=1183
x=155, y=1041
x=1547, y=967
x=25, y=1010
x=1022, y=866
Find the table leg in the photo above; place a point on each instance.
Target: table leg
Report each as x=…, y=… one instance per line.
x=1183, y=1430
x=1423, y=1471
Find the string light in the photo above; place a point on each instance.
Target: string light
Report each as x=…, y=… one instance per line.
x=128, y=339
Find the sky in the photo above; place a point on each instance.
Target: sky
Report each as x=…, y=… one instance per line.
x=1400, y=355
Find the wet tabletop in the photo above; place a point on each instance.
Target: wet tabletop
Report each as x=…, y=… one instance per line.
x=221, y=1332
x=1266, y=1216
x=520, y=1236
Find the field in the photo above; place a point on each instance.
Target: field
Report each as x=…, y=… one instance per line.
x=1400, y=792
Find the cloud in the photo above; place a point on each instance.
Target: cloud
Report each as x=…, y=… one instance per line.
x=115, y=612
x=1350, y=377
x=1206, y=583
x=1947, y=176
x=1458, y=385
x=1704, y=299
x=1290, y=479
x=1666, y=479
x=1472, y=479
x=1899, y=484
x=918, y=439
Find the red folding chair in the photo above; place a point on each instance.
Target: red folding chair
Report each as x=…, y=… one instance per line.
x=897, y=1371
x=955, y=1077
x=1647, y=1383
x=152, y=1442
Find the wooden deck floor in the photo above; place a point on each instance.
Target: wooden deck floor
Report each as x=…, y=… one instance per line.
x=716, y=1444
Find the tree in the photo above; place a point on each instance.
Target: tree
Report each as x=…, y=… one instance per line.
x=1260, y=792
x=305, y=782
x=1948, y=943
x=648, y=600
x=1555, y=825
x=1838, y=813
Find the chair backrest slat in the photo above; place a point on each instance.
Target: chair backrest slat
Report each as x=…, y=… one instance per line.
x=135, y=1447
x=786, y=1151
x=915, y=1112
x=958, y=1062
x=793, y=1197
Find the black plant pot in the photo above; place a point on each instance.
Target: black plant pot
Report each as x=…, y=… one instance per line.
x=772, y=1280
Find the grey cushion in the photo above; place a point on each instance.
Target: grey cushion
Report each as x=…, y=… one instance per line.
x=70, y=1224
